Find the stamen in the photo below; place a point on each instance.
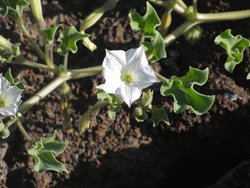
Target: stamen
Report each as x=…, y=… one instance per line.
x=127, y=77
x=2, y=103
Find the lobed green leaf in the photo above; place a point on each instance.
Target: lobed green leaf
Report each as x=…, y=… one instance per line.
x=234, y=46
x=147, y=25
x=49, y=34
x=159, y=115
x=43, y=152
x=184, y=94
x=68, y=40
x=155, y=47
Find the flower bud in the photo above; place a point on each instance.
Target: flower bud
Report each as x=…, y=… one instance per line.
x=165, y=22
x=97, y=14
x=84, y=121
x=5, y=133
x=194, y=34
x=140, y=114
x=36, y=8
x=8, y=50
x=5, y=45
x=88, y=43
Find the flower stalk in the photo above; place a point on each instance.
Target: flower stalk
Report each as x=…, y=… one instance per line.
x=31, y=41
x=24, y=107
x=199, y=18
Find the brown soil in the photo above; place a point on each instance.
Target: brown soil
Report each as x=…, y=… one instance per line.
x=195, y=151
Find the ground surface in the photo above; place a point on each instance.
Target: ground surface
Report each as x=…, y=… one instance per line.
x=195, y=151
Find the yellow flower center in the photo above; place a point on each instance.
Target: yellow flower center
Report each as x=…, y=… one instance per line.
x=2, y=103
x=127, y=77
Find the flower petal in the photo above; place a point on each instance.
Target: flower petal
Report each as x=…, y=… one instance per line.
x=114, y=60
x=13, y=95
x=112, y=81
x=145, y=77
x=136, y=58
x=10, y=110
x=127, y=93
x=4, y=83
x=110, y=86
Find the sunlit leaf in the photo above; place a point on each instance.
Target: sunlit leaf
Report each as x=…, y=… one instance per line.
x=147, y=25
x=234, y=46
x=155, y=47
x=184, y=94
x=68, y=40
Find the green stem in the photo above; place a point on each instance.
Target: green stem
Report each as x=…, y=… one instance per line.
x=81, y=73
x=205, y=18
x=224, y=16
x=161, y=78
x=31, y=41
x=65, y=61
x=179, y=31
x=11, y=122
x=49, y=62
x=24, y=107
x=159, y=2
x=180, y=10
x=22, y=130
x=181, y=4
x=31, y=64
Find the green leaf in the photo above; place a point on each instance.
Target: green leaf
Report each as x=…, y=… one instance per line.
x=49, y=34
x=43, y=152
x=234, y=46
x=155, y=47
x=103, y=96
x=10, y=78
x=112, y=100
x=185, y=96
x=68, y=40
x=147, y=25
x=12, y=8
x=159, y=115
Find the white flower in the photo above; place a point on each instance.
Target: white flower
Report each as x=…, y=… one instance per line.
x=9, y=97
x=126, y=74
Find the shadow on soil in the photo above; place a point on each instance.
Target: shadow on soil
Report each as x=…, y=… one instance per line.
x=193, y=159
